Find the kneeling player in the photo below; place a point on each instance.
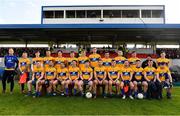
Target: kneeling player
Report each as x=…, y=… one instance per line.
x=138, y=80
x=50, y=76
x=62, y=79
x=100, y=79
x=164, y=80
x=86, y=76
x=113, y=74
x=126, y=76
x=74, y=76
x=37, y=76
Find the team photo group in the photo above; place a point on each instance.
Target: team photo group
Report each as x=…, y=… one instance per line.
x=88, y=76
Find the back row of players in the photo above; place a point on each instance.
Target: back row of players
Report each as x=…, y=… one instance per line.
x=94, y=71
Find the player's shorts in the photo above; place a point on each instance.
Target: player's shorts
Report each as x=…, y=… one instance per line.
x=86, y=82
x=100, y=79
x=126, y=82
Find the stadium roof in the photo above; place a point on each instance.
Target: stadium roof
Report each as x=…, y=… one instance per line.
x=91, y=32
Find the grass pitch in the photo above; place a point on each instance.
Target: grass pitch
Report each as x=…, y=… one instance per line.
x=18, y=104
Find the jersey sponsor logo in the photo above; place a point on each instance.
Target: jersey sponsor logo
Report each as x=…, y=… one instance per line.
x=94, y=59
x=73, y=73
x=62, y=74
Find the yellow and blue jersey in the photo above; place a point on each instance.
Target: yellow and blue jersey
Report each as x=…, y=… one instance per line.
x=62, y=73
x=69, y=61
x=100, y=71
x=94, y=59
x=38, y=72
x=113, y=72
x=126, y=73
x=106, y=62
x=82, y=60
x=138, y=73
x=150, y=72
x=46, y=61
x=50, y=73
x=163, y=73
x=162, y=61
x=86, y=73
x=24, y=64
x=120, y=61
x=132, y=62
x=73, y=73
x=58, y=61
x=35, y=60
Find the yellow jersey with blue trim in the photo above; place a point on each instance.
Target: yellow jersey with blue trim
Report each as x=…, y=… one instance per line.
x=120, y=61
x=163, y=73
x=50, y=73
x=150, y=72
x=126, y=73
x=94, y=59
x=86, y=72
x=74, y=73
x=24, y=64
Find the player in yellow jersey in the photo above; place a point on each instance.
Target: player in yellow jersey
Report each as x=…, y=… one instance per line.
x=126, y=77
x=71, y=58
x=62, y=78
x=132, y=60
x=94, y=58
x=138, y=80
x=47, y=59
x=36, y=59
x=150, y=77
x=37, y=76
x=100, y=76
x=120, y=59
x=164, y=80
x=106, y=61
x=49, y=77
x=58, y=60
x=114, y=76
x=86, y=78
x=82, y=59
x=163, y=60
x=74, y=76
x=24, y=67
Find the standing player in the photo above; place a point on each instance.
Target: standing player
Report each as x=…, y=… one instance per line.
x=114, y=74
x=164, y=79
x=71, y=59
x=36, y=59
x=100, y=79
x=150, y=77
x=58, y=60
x=94, y=58
x=24, y=67
x=48, y=59
x=74, y=76
x=133, y=59
x=120, y=59
x=62, y=79
x=138, y=79
x=37, y=76
x=163, y=59
x=106, y=61
x=11, y=64
x=82, y=59
x=126, y=76
x=49, y=76
x=86, y=78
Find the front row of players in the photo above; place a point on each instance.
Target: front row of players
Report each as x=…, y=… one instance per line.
x=127, y=81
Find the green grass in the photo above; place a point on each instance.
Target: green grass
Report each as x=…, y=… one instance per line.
x=19, y=104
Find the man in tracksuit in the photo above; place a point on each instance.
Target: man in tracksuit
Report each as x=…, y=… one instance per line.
x=11, y=64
